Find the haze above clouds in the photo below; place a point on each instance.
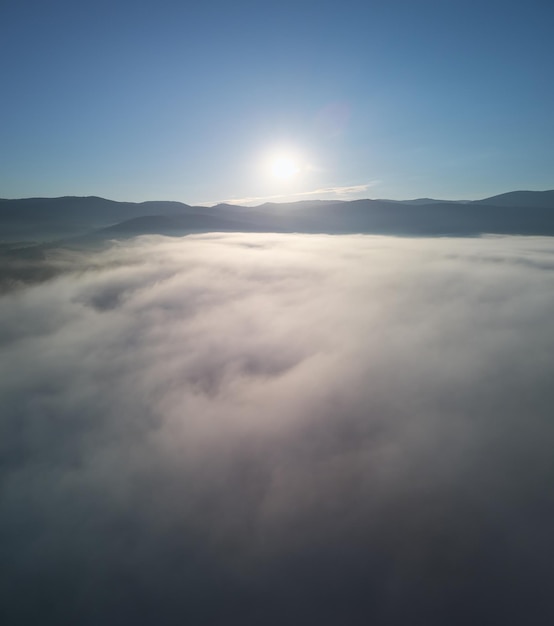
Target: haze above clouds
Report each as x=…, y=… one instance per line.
x=274, y=428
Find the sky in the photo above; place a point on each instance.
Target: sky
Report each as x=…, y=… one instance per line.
x=274, y=428
x=189, y=101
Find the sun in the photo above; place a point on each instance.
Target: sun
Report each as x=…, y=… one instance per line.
x=284, y=167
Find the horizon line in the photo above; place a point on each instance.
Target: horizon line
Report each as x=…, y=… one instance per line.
x=237, y=201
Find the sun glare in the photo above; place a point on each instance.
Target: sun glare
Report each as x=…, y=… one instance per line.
x=284, y=167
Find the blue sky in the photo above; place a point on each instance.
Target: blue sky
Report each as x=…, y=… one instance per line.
x=189, y=101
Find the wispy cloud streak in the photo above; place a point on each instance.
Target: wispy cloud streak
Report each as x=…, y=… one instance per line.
x=339, y=192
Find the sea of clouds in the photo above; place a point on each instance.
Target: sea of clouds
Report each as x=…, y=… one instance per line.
x=280, y=429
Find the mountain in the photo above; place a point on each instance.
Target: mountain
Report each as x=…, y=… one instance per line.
x=527, y=199
x=418, y=201
x=177, y=225
x=47, y=219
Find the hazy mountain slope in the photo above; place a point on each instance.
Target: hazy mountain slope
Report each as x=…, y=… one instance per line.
x=360, y=216
x=44, y=219
x=528, y=199
x=178, y=224
x=47, y=218
x=418, y=201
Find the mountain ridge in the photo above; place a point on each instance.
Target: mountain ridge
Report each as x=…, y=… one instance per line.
x=47, y=219
x=520, y=194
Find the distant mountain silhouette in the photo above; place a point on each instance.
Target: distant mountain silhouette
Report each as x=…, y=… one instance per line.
x=526, y=199
x=48, y=217
x=44, y=219
x=176, y=224
x=418, y=201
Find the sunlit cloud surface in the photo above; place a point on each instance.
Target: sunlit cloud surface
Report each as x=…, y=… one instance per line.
x=244, y=428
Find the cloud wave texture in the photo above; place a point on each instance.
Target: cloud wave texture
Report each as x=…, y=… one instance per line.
x=270, y=429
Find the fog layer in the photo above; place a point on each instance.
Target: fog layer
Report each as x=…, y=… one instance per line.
x=280, y=429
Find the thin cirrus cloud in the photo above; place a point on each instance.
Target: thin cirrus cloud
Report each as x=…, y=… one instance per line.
x=240, y=428
x=343, y=192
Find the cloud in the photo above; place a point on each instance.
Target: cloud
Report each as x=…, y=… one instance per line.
x=248, y=429
x=339, y=193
